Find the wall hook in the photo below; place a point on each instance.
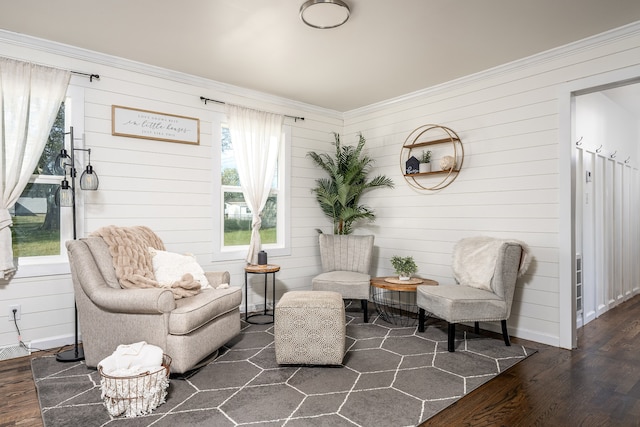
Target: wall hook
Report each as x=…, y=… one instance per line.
x=613, y=155
x=579, y=142
x=599, y=149
x=628, y=159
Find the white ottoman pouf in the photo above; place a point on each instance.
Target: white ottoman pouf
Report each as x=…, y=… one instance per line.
x=310, y=328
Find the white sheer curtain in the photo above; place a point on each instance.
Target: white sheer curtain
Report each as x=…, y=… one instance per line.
x=255, y=136
x=30, y=97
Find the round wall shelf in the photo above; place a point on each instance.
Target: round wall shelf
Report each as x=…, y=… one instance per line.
x=444, y=168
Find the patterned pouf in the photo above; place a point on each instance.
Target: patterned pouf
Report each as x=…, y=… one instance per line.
x=310, y=328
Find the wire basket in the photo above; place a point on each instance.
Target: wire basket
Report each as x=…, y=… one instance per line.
x=395, y=307
x=135, y=395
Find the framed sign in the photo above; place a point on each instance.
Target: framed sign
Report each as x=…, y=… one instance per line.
x=136, y=123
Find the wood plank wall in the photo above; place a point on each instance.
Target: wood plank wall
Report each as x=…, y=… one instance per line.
x=510, y=124
x=166, y=186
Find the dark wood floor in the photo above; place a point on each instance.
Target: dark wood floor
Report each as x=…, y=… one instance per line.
x=597, y=384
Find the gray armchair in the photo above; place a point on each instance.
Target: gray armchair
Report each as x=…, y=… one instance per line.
x=486, y=270
x=188, y=329
x=346, y=260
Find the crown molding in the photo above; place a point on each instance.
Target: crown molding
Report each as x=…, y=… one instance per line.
x=61, y=49
x=607, y=37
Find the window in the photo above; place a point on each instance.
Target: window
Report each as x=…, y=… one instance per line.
x=233, y=230
x=40, y=226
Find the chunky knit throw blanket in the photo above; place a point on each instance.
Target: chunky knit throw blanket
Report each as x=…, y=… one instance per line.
x=129, y=247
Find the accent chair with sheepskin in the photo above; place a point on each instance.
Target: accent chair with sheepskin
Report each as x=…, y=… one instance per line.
x=125, y=295
x=486, y=270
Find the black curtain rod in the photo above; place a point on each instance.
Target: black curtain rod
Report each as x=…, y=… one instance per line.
x=91, y=76
x=202, y=98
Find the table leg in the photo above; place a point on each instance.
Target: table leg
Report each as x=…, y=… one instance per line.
x=246, y=298
x=273, y=295
x=264, y=311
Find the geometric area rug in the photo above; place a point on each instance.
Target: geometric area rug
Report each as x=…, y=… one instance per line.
x=391, y=375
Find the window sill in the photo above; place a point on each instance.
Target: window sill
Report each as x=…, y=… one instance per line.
x=37, y=270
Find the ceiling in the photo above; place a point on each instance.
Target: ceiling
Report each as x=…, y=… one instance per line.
x=385, y=50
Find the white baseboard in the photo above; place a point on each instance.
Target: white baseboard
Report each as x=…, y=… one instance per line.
x=53, y=342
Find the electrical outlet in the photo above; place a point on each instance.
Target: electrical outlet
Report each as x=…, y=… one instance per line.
x=18, y=312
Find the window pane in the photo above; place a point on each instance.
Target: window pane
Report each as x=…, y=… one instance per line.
x=55, y=143
x=237, y=220
x=36, y=222
x=237, y=216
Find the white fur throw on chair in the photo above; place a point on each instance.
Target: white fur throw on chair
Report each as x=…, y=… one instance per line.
x=474, y=260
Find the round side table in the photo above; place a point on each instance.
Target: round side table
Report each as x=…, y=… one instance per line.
x=395, y=300
x=264, y=270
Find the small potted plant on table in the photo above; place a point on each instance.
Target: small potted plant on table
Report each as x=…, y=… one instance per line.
x=404, y=266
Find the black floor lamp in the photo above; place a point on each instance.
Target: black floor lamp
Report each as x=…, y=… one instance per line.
x=66, y=197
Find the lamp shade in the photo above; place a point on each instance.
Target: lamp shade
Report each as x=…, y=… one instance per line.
x=66, y=194
x=324, y=14
x=89, y=179
x=62, y=160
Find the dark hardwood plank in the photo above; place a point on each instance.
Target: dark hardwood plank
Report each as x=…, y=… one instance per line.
x=597, y=384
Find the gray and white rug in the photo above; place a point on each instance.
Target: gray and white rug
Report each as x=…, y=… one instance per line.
x=391, y=375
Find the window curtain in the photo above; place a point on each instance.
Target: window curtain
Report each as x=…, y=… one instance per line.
x=255, y=136
x=30, y=97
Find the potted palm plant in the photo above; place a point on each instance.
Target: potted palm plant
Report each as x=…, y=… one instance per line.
x=404, y=266
x=339, y=194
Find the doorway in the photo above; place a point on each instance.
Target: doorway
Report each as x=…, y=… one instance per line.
x=606, y=127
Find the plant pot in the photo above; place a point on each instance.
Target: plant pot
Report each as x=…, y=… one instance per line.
x=404, y=277
x=424, y=167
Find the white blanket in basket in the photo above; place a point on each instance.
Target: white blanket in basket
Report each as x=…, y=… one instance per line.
x=133, y=382
x=132, y=359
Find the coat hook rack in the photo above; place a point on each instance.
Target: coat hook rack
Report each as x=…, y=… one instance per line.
x=613, y=155
x=579, y=142
x=599, y=149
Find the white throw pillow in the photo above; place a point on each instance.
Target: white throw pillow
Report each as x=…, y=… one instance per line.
x=169, y=267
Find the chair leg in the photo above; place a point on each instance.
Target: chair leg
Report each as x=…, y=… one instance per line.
x=476, y=328
x=421, y=319
x=365, y=309
x=505, y=334
x=452, y=337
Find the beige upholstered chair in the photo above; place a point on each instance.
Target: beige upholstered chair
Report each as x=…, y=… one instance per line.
x=188, y=329
x=346, y=260
x=486, y=270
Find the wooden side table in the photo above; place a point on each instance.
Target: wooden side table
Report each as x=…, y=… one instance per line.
x=395, y=300
x=264, y=270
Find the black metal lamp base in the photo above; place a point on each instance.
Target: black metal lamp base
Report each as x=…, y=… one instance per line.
x=73, y=355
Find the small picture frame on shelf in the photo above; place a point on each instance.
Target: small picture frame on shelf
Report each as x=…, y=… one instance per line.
x=412, y=165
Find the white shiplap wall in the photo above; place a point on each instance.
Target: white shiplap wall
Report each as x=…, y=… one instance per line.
x=166, y=186
x=510, y=122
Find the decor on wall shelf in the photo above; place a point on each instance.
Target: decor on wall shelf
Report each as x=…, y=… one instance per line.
x=412, y=165
x=425, y=162
x=447, y=162
x=136, y=123
x=444, y=144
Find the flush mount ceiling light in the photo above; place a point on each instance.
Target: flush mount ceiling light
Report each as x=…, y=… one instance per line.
x=324, y=14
